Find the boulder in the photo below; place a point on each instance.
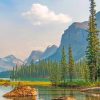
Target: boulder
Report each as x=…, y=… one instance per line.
x=22, y=91
x=64, y=98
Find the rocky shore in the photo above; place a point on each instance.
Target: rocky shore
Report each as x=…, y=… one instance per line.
x=22, y=91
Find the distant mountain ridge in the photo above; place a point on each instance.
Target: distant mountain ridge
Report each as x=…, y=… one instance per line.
x=50, y=50
x=8, y=62
x=34, y=56
x=38, y=55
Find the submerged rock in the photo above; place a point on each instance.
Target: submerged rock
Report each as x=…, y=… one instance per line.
x=64, y=98
x=22, y=91
x=89, y=89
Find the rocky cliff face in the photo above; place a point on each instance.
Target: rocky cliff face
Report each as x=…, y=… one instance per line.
x=76, y=36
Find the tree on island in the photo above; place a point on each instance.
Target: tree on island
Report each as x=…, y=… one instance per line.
x=93, y=48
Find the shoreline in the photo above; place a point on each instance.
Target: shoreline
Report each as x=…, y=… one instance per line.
x=16, y=83
x=71, y=86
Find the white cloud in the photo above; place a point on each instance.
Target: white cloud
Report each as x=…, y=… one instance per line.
x=41, y=14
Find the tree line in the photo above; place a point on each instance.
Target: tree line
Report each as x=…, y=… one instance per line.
x=56, y=72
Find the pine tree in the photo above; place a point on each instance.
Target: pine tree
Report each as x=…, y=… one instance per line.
x=98, y=72
x=71, y=65
x=63, y=66
x=54, y=74
x=12, y=74
x=93, y=48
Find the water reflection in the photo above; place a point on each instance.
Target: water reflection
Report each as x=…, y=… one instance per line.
x=48, y=93
x=88, y=97
x=23, y=98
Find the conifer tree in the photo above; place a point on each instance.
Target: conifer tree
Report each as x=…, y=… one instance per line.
x=93, y=48
x=63, y=66
x=12, y=74
x=54, y=74
x=71, y=65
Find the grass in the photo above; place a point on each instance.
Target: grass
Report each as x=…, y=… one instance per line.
x=34, y=79
x=82, y=84
x=15, y=83
x=75, y=84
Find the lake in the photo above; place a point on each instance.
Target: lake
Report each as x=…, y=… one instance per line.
x=48, y=93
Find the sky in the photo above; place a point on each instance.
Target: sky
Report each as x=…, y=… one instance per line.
x=27, y=25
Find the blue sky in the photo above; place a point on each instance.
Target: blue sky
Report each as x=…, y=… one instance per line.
x=27, y=25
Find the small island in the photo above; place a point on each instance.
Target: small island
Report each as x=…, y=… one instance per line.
x=22, y=91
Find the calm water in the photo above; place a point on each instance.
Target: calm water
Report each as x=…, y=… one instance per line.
x=47, y=93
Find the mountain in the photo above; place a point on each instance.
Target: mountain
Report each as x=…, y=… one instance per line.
x=50, y=50
x=98, y=20
x=38, y=55
x=34, y=56
x=9, y=62
x=76, y=36
x=5, y=74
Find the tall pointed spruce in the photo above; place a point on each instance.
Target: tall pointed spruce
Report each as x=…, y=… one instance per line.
x=64, y=66
x=93, y=48
x=12, y=74
x=71, y=65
